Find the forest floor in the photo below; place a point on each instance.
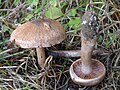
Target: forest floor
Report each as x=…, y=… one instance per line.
x=19, y=68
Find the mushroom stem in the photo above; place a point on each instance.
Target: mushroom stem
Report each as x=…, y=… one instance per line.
x=75, y=53
x=87, y=47
x=41, y=57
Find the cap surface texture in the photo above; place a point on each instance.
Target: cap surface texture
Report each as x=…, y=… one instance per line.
x=38, y=33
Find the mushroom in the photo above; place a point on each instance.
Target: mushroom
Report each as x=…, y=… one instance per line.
x=87, y=71
x=38, y=34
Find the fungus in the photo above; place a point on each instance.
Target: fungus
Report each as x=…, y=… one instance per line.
x=39, y=34
x=87, y=71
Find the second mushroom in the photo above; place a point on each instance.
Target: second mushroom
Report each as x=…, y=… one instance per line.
x=87, y=71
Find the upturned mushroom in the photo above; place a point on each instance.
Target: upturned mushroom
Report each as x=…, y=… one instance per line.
x=87, y=71
x=39, y=34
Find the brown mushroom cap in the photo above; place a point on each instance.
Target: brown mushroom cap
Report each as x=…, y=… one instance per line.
x=95, y=77
x=38, y=33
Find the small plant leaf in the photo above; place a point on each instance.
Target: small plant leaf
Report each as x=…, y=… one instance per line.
x=74, y=23
x=37, y=10
x=53, y=3
x=35, y=2
x=29, y=2
x=29, y=17
x=73, y=12
x=54, y=13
